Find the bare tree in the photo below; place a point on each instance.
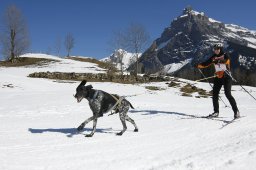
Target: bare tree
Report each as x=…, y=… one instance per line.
x=135, y=39
x=120, y=56
x=14, y=38
x=48, y=50
x=69, y=43
x=58, y=46
x=117, y=46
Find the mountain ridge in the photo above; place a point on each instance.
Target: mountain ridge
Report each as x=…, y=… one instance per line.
x=190, y=37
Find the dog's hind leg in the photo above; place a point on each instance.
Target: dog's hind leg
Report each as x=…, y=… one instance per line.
x=81, y=127
x=122, y=118
x=127, y=118
x=94, y=128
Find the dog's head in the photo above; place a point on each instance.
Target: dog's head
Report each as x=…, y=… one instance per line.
x=82, y=91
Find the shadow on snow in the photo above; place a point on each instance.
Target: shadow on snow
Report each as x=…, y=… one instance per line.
x=181, y=115
x=70, y=132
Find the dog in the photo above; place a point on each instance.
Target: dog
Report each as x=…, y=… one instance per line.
x=101, y=102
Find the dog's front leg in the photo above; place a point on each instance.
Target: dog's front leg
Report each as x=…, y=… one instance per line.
x=81, y=127
x=94, y=128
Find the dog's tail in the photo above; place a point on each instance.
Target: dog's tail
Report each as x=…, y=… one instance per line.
x=131, y=105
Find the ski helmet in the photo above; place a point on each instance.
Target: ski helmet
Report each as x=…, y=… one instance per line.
x=218, y=46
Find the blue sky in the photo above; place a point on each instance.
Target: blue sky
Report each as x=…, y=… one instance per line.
x=92, y=22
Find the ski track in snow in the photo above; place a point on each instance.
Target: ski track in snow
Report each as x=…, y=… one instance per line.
x=39, y=117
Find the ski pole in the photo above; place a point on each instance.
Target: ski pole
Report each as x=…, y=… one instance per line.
x=229, y=74
x=206, y=78
x=212, y=87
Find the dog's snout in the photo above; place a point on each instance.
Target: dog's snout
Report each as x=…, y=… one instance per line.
x=74, y=96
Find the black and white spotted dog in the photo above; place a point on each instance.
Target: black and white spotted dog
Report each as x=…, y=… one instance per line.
x=101, y=102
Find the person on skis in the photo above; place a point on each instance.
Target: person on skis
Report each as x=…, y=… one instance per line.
x=221, y=61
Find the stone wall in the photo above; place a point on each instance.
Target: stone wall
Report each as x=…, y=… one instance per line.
x=100, y=77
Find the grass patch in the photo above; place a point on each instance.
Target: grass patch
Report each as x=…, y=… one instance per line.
x=173, y=84
x=25, y=61
x=188, y=89
x=154, y=88
x=101, y=64
x=186, y=94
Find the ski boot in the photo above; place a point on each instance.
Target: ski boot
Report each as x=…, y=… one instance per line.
x=237, y=115
x=215, y=114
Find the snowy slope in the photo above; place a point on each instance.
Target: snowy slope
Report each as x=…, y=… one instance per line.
x=63, y=65
x=38, y=120
x=171, y=68
x=247, y=35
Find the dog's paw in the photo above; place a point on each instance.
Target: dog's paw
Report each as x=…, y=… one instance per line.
x=88, y=135
x=81, y=127
x=119, y=134
x=136, y=130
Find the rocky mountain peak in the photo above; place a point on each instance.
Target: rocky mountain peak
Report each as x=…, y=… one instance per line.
x=190, y=38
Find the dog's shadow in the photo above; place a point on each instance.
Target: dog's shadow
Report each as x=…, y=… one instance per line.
x=69, y=132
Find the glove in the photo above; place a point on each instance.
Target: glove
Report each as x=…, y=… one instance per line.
x=215, y=61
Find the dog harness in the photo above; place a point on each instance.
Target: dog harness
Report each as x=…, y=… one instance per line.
x=117, y=104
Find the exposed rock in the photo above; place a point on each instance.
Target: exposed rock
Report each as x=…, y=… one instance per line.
x=100, y=77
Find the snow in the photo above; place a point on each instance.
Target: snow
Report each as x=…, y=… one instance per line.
x=246, y=61
x=62, y=65
x=252, y=45
x=213, y=39
x=127, y=60
x=81, y=57
x=197, y=13
x=213, y=20
x=171, y=68
x=232, y=35
x=163, y=44
x=39, y=55
x=237, y=28
x=38, y=120
x=250, y=39
x=250, y=36
x=193, y=13
x=182, y=16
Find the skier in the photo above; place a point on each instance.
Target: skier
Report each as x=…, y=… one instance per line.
x=221, y=61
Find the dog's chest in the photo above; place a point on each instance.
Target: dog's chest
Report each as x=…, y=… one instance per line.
x=96, y=102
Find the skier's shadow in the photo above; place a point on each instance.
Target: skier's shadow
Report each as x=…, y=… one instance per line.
x=181, y=115
x=69, y=132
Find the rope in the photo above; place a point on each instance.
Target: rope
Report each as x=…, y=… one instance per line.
x=118, y=102
x=206, y=78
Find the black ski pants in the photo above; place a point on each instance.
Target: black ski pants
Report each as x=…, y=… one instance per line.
x=227, y=82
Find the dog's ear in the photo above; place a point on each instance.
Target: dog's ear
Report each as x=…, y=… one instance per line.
x=89, y=87
x=83, y=83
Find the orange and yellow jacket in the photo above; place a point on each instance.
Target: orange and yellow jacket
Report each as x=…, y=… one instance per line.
x=221, y=63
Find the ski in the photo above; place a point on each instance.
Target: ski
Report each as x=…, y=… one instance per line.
x=219, y=118
x=231, y=121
